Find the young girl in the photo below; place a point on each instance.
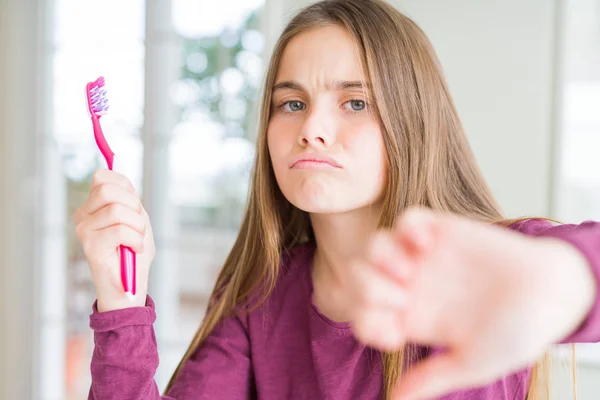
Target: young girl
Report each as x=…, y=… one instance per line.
x=337, y=287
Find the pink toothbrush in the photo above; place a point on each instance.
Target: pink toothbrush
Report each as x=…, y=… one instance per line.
x=97, y=107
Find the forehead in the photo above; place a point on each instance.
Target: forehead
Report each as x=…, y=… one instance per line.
x=321, y=55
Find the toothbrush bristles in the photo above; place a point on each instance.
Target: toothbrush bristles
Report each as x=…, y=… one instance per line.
x=97, y=97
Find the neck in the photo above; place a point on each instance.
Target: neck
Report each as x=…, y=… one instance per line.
x=340, y=238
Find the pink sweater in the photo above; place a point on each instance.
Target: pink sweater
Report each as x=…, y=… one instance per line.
x=286, y=349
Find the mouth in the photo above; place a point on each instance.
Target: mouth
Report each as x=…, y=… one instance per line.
x=314, y=161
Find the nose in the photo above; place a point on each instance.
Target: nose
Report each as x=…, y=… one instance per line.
x=318, y=130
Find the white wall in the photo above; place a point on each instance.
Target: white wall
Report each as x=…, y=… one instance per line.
x=32, y=228
x=587, y=378
x=19, y=112
x=499, y=60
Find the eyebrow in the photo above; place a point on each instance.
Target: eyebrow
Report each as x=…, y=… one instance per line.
x=336, y=85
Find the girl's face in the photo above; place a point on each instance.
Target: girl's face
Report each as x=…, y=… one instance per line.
x=326, y=147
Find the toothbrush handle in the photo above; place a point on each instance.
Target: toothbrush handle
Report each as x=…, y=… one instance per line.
x=128, y=268
x=127, y=255
x=101, y=142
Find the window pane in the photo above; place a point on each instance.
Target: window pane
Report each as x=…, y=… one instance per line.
x=578, y=188
x=579, y=174
x=84, y=48
x=212, y=146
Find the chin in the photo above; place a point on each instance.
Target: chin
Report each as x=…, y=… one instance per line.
x=334, y=202
x=323, y=194
x=314, y=208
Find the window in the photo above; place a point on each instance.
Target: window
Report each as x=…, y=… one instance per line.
x=577, y=195
x=83, y=49
x=215, y=94
x=212, y=86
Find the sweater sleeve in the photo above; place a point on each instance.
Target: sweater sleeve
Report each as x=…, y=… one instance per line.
x=586, y=238
x=125, y=359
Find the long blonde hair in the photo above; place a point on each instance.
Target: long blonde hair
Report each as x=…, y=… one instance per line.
x=430, y=160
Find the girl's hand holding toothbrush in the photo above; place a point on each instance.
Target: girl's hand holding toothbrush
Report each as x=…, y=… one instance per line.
x=113, y=215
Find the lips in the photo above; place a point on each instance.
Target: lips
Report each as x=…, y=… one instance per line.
x=307, y=160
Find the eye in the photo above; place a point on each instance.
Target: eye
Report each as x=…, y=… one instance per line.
x=355, y=105
x=293, y=106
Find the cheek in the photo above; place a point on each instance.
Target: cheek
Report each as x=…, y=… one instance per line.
x=280, y=144
x=274, y=141
x=369, y=173
x=280, y=134
x=367, y=147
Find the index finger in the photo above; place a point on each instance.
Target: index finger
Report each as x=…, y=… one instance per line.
x=102, y=176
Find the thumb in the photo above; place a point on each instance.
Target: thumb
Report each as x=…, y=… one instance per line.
x=417, y=231
x=431, y=378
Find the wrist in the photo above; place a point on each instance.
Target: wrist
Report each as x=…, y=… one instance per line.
x=572, y=289
x=119, y=301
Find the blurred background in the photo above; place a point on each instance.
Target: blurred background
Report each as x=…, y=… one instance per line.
x=183, y=79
